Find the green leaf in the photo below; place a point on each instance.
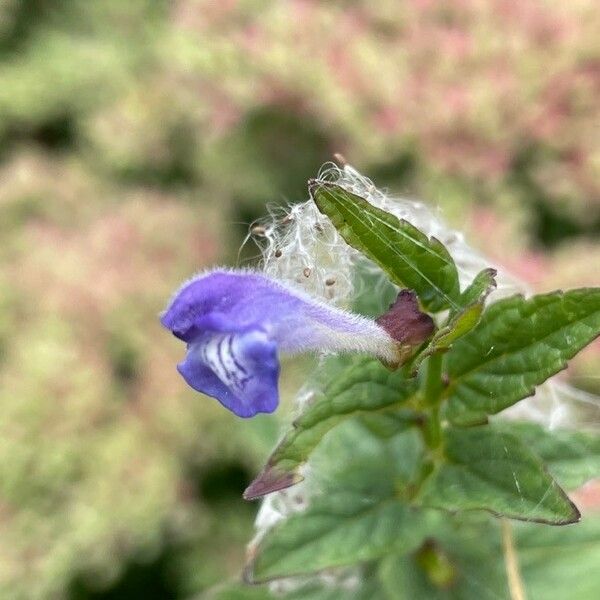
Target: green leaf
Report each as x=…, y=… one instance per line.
x=402, y=578
x=479, y=289
x=559, y=564
x=495, y=471
x=369, y=462
x=367, y=588
x=340, y=528
x=474, y=570
x=555, y=563
x=517, y=345
x=572, y=457
x=238, y=591
x=358, y=513
x=461, y=321
x=406, y=254
x=312, y=588
x=360, y=584
x=460, y=324
x=388, y=423
x=361, y=386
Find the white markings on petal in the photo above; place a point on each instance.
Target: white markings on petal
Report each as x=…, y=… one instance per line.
x=223, y=354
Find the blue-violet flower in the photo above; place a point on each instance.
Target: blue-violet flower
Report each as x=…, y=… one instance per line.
x=235, y=322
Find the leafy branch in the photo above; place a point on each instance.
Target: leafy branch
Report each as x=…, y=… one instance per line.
x=406, y=467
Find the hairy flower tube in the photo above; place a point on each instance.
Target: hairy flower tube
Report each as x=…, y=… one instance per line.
x=235, y=322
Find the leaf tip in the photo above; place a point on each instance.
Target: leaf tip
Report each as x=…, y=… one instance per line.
x=575, y=515
x=313, y=186
x=270, y=480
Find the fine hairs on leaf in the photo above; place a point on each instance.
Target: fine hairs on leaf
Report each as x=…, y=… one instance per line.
x=415, y=480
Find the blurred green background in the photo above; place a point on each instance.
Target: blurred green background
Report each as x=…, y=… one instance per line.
x=139, y=139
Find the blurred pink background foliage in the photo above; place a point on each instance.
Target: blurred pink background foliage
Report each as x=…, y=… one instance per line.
x=138, y=142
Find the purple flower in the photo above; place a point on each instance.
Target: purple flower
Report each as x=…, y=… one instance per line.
x=235, y=322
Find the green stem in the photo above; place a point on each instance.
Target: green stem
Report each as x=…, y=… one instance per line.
x=515, y=582
x=432, y=395
x=433, y=380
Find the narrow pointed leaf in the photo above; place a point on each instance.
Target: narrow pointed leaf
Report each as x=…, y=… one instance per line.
x=516, y=346
x=496, y=472
x=463, y=320
x=364, y=386
x=460, y=324
x=479, y=289
x=406, y=254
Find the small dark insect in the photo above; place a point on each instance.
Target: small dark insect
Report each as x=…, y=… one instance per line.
x=329, y=281
x=278, y=253
x=306, y=272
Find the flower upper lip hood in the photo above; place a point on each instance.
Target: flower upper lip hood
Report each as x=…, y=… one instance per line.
x=235, y=322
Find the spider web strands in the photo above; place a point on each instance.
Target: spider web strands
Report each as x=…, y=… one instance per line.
x=557, y=405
